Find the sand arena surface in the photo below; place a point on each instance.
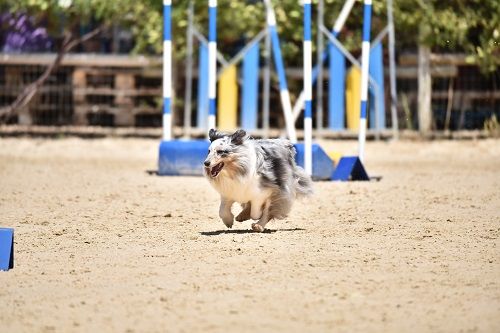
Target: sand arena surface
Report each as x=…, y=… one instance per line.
x=103, y=246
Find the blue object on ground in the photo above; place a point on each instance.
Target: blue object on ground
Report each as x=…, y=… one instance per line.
x=350, y=168
x=182, y=157
x=6, y=249
x=185, y=158
x=322, y=163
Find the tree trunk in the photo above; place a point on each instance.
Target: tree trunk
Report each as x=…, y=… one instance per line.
x=424, y=89
x=32, y=89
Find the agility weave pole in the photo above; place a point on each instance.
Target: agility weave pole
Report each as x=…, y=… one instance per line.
x=167, y=70
x=212, y=61
x=280, y=68
x=365, y=63
x=185, y=157
x=337, y=56
x=337, y=27
x=249, y=80
x=248, y=52
x=336, y=88
x=351, y=167
x=202, y=104
x=307, y=88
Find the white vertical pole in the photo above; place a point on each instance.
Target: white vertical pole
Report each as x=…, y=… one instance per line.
x=319, y=65
x=339, y=24
x=392, y=71
x=344, y=13
x=365, y=63
x=266, y=86
x=167, y=71
x=280, y=69
x=212, y=61
x=189, y=73
x=307, y=88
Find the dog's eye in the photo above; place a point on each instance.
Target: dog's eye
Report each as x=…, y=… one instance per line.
x=222, y=152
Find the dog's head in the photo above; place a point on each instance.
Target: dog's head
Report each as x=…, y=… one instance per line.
x=224, y=152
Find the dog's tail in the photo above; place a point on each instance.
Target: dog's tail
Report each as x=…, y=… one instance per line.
x=303, y=183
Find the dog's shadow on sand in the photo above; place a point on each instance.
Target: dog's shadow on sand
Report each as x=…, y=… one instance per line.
x=245, y=231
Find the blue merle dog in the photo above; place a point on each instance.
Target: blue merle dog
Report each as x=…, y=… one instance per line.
x=261, y=175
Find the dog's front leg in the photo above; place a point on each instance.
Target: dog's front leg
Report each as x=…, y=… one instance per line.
x=245, y=213
x=225, y=212
x=261, y=225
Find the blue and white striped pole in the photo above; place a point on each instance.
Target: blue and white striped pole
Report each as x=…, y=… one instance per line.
x=307, y=88
x=338, y=25
x=280, y=69
x=167, y=70
x=344, y=13
x=365, y=63
x=212, y=61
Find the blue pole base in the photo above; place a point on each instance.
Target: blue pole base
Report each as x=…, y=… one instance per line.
x=322, y=164
x=185, y=158
x=182, y=158
x=350, y=168
x=6, y=249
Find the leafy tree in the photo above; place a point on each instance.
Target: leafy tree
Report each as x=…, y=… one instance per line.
x=65, y=17
x=470, y=26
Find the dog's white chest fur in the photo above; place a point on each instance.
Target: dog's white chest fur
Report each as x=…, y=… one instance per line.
x=240, y=190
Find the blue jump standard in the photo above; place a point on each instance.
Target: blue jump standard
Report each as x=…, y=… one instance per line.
x=6, y=249
x=350, y=168
x=185, y=158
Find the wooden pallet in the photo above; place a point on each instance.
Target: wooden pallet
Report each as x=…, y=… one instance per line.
x=114, y=92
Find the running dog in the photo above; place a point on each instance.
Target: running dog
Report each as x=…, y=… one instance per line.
x=261, y=175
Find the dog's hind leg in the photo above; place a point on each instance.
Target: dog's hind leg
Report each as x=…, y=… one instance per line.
x=261, y=225
x=245, y=213
x=225, y=212
x=256, y=208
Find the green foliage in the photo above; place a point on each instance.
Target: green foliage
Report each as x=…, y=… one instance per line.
x=471, y=26
x=492, y=126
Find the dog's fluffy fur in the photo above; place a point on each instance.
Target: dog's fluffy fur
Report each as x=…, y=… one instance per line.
x=261, y=175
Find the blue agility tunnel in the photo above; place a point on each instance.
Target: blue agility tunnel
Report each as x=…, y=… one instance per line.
x=185, y=158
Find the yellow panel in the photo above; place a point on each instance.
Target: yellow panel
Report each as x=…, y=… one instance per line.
x=353, y=98
x=227, y=109
x=335, y=156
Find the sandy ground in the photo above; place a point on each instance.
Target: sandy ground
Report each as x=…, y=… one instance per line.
x=103, y=246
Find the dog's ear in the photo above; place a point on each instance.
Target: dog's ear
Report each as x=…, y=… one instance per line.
x=238, y=137
x=214, y=135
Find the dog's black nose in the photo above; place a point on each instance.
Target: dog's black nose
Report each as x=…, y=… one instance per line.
x=207, y=163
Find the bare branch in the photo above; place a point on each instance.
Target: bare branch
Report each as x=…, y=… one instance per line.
x=30, y=90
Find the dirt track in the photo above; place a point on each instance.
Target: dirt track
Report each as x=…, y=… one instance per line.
x=101, y=245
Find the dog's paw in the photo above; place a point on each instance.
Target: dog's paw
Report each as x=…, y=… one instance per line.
x=243, y=216
x=257, y=227
x=228, y=223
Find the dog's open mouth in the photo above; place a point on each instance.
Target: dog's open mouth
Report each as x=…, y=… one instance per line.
x=214, y=172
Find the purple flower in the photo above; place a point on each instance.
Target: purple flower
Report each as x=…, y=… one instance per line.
x=19, y=33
